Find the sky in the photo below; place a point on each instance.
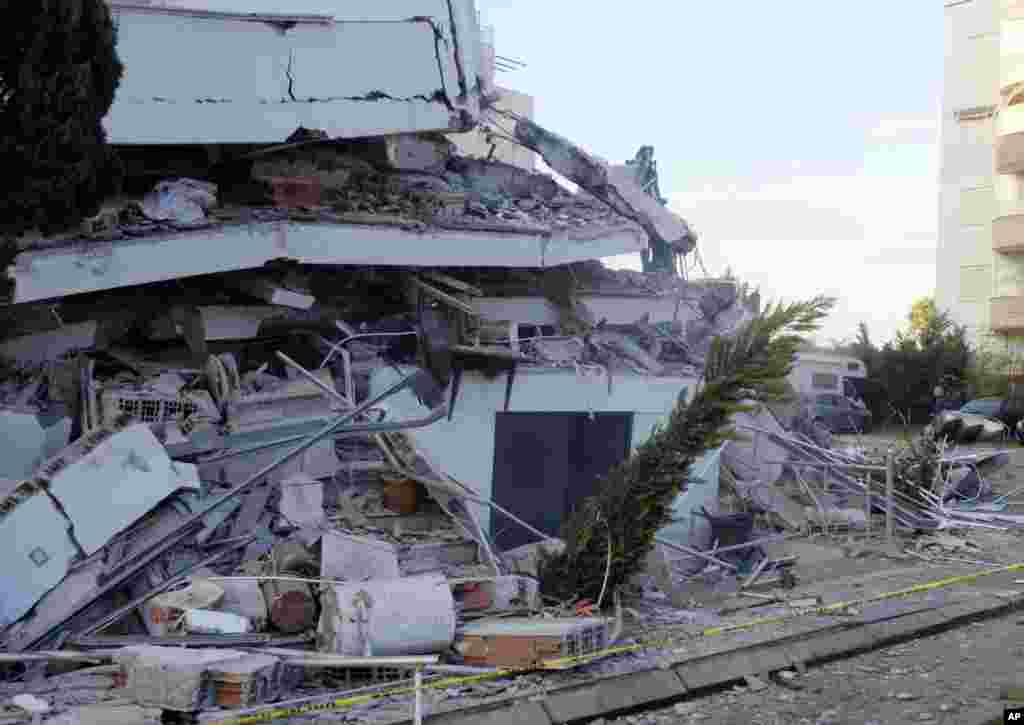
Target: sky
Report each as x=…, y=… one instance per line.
x=799, y=139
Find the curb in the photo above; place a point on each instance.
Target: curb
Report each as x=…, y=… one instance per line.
x=649, y=689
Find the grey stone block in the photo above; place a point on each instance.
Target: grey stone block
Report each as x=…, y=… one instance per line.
x=616, y=693
x=513, y=713
x=731, y=665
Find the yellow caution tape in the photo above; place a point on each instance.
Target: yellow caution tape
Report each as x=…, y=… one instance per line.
x=565, y=662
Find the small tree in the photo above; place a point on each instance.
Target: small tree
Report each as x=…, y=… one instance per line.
x=59, y=71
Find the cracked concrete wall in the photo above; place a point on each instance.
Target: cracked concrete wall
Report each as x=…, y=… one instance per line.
x=201, y=77
x=476, y=143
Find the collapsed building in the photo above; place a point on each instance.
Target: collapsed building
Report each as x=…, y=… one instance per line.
x=315, y=365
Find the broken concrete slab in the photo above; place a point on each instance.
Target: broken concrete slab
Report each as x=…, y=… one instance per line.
x=414, y=615
x=274, y=294
x=607, y=696
x=106, y=485
x=302, y=501
x=414, y=152
x=755, y=456
x=26, y=443
x=616, y=186
x=171, y=678
x=37, y=550
x=244, y=596
x=43, y=347
x=526, y=559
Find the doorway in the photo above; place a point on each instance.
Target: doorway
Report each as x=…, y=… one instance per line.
x=545, y=464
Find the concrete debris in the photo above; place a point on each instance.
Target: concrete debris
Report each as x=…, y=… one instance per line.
x=616, y=186
x=209, y=394
x=273, y=294
x=182, y=202
x=30, y=704
x=172, y=678
x=205, y=621
x=165, y=611
x=413, y=615
x=526, y=559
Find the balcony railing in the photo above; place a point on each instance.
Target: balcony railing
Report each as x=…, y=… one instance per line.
x=1010, y=139
x=1008, y=232
x=1007, y=314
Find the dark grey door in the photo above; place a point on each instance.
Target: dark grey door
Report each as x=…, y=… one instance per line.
x=545, y=464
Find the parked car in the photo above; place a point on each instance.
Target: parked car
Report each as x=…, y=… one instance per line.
x=981, y=419
x=1007, y=410
x=839, y=414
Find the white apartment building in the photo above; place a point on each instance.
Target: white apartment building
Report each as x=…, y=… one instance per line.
x=980, y=257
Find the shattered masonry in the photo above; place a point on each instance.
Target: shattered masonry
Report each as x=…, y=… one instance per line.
x=319, y=400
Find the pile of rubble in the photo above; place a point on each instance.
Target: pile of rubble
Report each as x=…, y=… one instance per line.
x=301, y=524
x=208, y=500
x=780, y=483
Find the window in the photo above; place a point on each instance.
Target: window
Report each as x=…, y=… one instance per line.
x=977, y=206
x=975, y=283
x=824, y=381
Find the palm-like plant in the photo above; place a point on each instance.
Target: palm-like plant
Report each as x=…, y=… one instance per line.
x=634, y=500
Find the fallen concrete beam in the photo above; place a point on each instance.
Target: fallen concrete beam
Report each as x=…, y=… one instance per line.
x=616, y=186
x=71, y=269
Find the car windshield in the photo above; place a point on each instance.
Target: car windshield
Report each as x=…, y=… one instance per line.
x=987, y=408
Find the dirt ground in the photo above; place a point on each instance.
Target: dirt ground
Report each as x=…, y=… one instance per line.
x=953, y=678
x=949, y=678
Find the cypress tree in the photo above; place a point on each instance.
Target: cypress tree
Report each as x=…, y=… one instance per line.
x=59, y=71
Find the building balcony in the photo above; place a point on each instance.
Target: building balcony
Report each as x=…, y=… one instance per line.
x=1007, y=314
x=1011, y=70
x=1010, y=140
x=1008, y=232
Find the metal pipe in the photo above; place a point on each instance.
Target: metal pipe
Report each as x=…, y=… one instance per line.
x=459, y=669
x=815, y=464
x=417, y=714
x=178, y=534
x=889, y=510
x=114, y=642
x=695, y=552
x=463, y=493
x=313, y=379
x=328, y=429
x=329, y=660
x=183, y=577
x=337, y=346
x=757, y=542
x=867, y=511
x=141, y=562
